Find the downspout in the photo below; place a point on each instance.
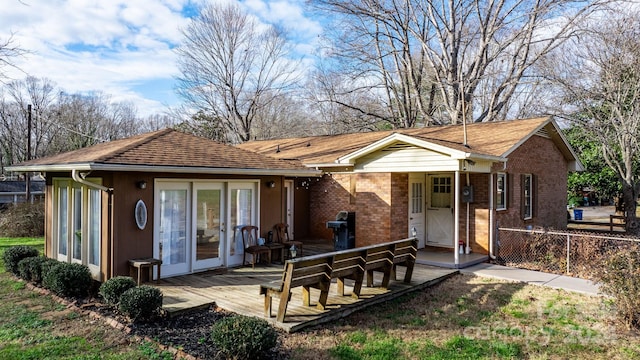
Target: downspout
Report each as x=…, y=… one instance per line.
x=491, y=218
x=80, y=178
x=456, y=220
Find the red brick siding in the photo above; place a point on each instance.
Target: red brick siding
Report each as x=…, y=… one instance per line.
x=399, y=206
x=540, y=157
x=326, y=198
x=478, y=213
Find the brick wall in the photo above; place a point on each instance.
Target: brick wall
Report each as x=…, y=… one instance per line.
x=399, y=206
x=540, y=157
x=478, y=213
x=379, y=201
x=327, y=197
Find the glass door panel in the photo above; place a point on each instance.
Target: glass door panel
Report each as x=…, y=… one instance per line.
x=174, y=233
x=242, y=211
x=209, y=225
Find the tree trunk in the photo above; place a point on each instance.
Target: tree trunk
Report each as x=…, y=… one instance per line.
x=631, y=220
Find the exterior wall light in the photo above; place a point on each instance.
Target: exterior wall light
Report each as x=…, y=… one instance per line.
x=271, y=184
x=141, y=184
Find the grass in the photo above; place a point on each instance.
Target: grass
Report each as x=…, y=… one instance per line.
x=468, y=317
x=465, y=317
x=33, y=326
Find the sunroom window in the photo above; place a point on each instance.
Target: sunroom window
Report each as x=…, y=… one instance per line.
x=77, y=223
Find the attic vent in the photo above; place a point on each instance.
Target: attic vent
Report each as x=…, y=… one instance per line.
x=543, y=132
x=398, y=146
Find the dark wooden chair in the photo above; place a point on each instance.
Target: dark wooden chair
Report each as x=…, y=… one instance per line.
x=250, y=243
x=282, y=237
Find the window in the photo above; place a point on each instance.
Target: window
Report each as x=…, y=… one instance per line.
x=416, y=198
x=77, y=223
x=527, y=198
x=501, y=191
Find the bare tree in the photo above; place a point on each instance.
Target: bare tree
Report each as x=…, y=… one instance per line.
x=478, y=53
x=601, y=83
x=8, y=52
x=232, y=67
x=60, y=121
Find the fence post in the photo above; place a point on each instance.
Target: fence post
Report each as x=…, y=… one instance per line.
x=568, y=251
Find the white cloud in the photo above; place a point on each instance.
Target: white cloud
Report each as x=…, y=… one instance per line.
x=120, y=47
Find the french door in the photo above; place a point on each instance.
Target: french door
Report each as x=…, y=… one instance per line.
x=243, y=211
x=172, y=241
x=197, y=224
x=208, y=202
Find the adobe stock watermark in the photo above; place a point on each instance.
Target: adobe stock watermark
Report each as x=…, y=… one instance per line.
x=552, y=324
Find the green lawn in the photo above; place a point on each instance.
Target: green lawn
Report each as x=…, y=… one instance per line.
x=33, y=326
x=465, y=317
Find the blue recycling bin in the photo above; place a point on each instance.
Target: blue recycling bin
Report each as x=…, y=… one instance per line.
x=577, y=214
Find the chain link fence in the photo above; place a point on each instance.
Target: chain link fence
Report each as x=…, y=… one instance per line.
x=572, y=253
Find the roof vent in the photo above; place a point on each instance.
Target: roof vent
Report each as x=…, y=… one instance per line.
x=543, y=132
x=399, y=146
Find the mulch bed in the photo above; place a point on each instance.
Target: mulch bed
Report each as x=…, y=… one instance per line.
x=186, y=336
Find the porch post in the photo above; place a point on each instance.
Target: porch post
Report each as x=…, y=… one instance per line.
x=456, y=220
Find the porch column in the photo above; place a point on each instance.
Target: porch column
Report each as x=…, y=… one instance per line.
x=456, y=220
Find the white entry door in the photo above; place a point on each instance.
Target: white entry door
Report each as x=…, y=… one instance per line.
x=173, y=235
x=440, y=211
x=209, y=225
x=417, y=202
x=243, y=210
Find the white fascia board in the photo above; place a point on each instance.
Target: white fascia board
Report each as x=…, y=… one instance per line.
x=382, y=143
x=167, y=169
x=350, y=159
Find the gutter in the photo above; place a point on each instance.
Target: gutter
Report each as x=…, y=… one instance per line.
x=79, y=177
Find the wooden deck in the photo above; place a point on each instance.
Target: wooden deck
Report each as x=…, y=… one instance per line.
x=237, y=290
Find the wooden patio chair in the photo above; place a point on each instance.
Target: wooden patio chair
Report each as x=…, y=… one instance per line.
x=250, y=243
x=282, y=236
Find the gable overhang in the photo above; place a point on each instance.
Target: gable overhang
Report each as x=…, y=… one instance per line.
x=552, y=130
x=456, y=160
x=164, y=169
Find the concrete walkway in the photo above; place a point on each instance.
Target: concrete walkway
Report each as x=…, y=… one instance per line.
x=533, y=277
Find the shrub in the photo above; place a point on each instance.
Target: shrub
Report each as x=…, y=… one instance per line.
x=141, y=303
x=14, y=254
x=28, y=268
x=243, y=337
x=67, y=279
x=619, y=278
x=23, y=220
x=112, y=289
x=31, y=268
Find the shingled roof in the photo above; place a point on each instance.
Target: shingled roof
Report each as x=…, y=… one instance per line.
x=491, y=139
x=166, y=150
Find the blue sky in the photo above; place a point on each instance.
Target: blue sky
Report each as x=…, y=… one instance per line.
x=122, y=47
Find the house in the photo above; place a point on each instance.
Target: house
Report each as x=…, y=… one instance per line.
x=180, y=198
x=431, y=183
x=165, y=194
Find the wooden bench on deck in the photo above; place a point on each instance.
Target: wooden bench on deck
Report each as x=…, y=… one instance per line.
x=317, y=271
x=311, y=271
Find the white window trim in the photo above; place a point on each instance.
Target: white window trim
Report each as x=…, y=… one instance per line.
x=505, y=188
x=71, y=185
x=530, y=207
